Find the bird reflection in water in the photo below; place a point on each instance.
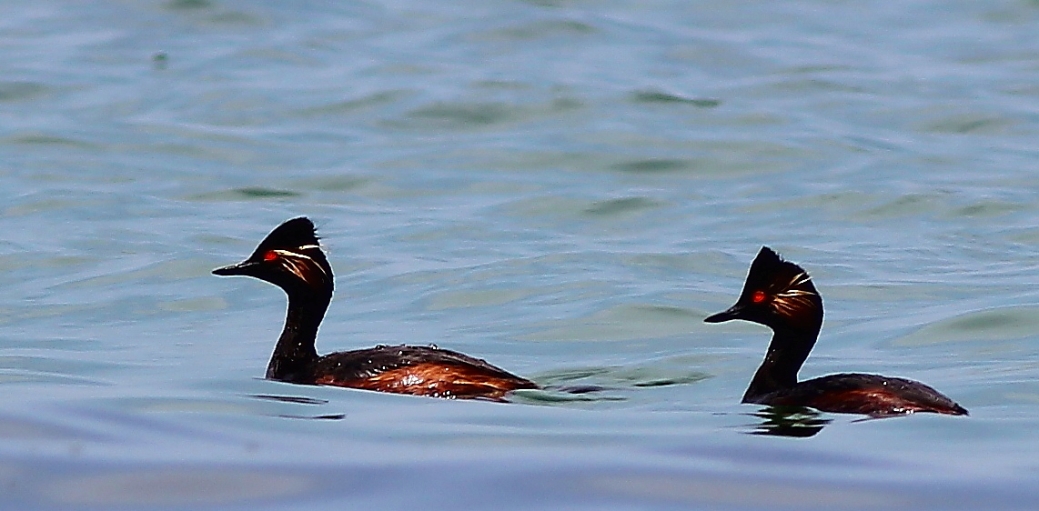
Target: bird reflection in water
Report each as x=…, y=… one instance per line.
x=791, y=421
x=300, y=400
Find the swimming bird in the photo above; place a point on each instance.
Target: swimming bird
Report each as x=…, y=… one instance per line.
x=780, y=295
x=291, y=258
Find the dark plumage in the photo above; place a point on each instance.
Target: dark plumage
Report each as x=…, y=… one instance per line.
x=780, y=295
x=291, y=258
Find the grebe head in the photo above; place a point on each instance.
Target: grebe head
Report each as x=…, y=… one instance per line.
x=778, y=294
x=290, y=258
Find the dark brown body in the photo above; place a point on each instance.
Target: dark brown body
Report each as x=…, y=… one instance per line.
x=417, y=370
x=869, y=394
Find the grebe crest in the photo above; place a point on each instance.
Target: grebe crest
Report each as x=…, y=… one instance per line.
x=289, y=257
x=778, y=294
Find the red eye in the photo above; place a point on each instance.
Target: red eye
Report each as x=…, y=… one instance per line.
x=758, y=297
x=270, y=256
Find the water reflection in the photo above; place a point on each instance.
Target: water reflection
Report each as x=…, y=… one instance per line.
x=300, y=400
x=562, y=394
x=791, y=421
x=326, y=417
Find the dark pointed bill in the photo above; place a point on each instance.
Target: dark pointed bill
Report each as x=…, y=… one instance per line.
x=242, y=268
x=730, y=314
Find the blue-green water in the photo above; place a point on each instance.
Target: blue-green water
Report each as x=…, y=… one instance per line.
x=565, y=188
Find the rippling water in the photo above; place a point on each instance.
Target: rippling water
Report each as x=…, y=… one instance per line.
x=565, y=188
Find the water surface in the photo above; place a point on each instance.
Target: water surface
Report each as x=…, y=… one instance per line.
x=565, y=188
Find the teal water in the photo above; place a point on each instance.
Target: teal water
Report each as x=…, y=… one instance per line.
x=565, y=188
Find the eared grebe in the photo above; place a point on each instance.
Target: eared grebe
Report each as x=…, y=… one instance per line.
x=291, y=258
x=780, y=295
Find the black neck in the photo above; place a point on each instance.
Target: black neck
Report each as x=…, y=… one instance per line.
x=295, y=352
x=786, y=354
